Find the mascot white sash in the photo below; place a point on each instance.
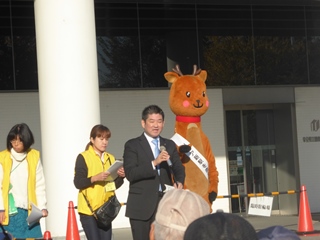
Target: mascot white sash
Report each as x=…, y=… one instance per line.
x=200, y=161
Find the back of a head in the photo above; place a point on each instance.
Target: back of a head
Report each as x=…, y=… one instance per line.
x=220, y=226
x=176, y=210
x=277, y=233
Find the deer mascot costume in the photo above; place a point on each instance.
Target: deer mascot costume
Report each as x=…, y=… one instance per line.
x=188, y=101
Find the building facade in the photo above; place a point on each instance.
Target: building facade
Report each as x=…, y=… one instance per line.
x=263, y=81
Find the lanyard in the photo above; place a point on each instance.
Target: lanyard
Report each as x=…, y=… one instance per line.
x=16, y=167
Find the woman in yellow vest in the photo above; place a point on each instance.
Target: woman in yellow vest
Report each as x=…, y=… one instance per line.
x=90, y=178
x=23, y=183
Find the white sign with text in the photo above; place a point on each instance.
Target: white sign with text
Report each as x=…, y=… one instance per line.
x=261, y=206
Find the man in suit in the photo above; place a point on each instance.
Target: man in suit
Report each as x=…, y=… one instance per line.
x=149, y=174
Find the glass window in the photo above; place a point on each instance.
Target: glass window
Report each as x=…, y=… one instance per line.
x=6, y=62
x=118, y=60
x=234, y=135
x=238, y=45
x=280, y=45
x=118, y=45
x=25, y=62
x=18, y=46
x=152, y=45
x=226, y=43
x=313, y=43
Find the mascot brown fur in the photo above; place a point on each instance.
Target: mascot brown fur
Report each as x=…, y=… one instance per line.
x=188, y=101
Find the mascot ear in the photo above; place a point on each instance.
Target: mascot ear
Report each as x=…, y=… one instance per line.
x=171, y=77
x=203, y=75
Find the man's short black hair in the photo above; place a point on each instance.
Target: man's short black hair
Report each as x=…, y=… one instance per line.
x=151, y=109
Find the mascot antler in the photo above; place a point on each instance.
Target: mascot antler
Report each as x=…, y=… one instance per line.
x=195, y=70
x=177, y=70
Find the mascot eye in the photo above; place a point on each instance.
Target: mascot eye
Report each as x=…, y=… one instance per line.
x=188, y=94
x=203, y=94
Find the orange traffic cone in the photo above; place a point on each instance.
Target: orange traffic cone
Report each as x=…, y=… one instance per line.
x=47, y=235
x=72, y=228
x=305, y=226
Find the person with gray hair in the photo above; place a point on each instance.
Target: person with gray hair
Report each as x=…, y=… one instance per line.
x=176, y=210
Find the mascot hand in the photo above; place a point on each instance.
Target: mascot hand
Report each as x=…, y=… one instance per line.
x=212, y=196
x=184, y=148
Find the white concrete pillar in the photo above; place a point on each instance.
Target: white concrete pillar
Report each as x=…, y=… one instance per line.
x=68, y=96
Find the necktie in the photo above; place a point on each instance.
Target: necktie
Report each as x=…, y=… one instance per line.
x=156, y=149
x=156, y=153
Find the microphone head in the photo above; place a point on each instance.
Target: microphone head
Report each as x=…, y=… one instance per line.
x=162, y=148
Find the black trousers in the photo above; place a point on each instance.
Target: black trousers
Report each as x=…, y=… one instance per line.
x=91, y=229
x=140, y=229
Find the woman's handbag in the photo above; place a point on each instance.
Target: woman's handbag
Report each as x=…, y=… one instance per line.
x=107, y=212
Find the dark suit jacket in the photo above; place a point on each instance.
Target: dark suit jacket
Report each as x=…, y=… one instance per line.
x=144, y=181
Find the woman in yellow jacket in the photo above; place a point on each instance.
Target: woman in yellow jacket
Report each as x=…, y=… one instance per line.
x=90, y=178
x=22, y=183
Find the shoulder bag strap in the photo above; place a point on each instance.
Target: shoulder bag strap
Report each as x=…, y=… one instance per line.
x=88, y=203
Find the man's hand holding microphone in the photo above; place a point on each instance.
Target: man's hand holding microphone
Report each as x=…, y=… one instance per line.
x=164, y=156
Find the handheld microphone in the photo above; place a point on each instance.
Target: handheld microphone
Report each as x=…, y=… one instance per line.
x=163, y=148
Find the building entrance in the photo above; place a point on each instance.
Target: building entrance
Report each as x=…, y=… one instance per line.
x=255, y=155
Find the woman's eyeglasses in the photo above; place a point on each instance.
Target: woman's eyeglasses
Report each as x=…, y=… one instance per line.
x=16, y=141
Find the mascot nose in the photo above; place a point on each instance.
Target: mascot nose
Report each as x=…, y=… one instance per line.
x=198, y=104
